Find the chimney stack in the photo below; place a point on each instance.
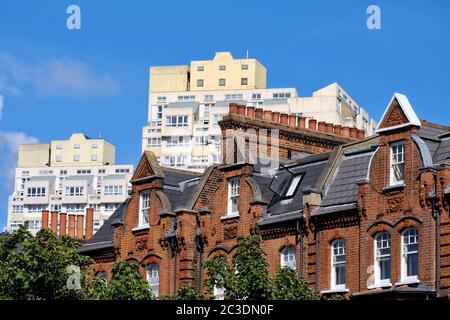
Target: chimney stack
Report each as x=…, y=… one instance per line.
x=361, y=134
x=284, y=118
x=72, y=225
x=241, y=110
x=267, y=115
x=80, y=226
x=62, y=223
x=54, y=221
x=329, y=127
x=233, y=107
x=251, y=112
x=312, y=124
x=89, y=223
x=276, y=117
x=301, y=122
x=45, y=219
x=322, y=126
x=353, y=132
x=259, y=113
x=345, y=131
x=337, y=129
x=292, y=120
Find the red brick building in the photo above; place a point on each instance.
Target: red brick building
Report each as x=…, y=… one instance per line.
x=363, y=218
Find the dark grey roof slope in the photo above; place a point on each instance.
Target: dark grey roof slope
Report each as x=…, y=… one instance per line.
x=179, y=186
x=343, y=188
x=442, y=154
x=104, y=237
x=173, y=177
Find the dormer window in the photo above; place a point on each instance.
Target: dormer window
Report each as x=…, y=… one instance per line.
x=233, y=196
x=397, y=162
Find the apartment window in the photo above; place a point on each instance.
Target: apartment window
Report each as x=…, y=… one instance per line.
x=338, y=264
x=75, y=207
x=113, y=190
x=201, y=159
x=174, y=161
x=199, y=82
x=221, y=82
x=94, y=157
x=410, y=254
x=244, y=67
x=217, y=158
x=84, y=171
x=36, y=192
x=209, y=97
x=177, y=121
x=233, y=97
x=122, y=170
x=34, y=225
x=63, y=172
x=76, y=157
x=74, y=191
x=222, y=67
x=177, y=141
x=256, y=96
x=287, y=258
x=200, y=68
x=157, y=112
x=101, y=171
x=161, y=99
x=244, y=81
x=58, y=158
x=56, y=207
x=217, y=118
x=233, y=196
x=45, y=172
x=204, y=113
x=97, y=223
x=397, y=162
x=59, y=146
x=111, y=207
x=35, y=208
x=382, y=255
x=17, y=208
x=76, y=146
x=201, y=141
x=154, y=142
x=281, y=95
x=186, y=98
x=95, y=146
x=144, y=208
x=153, y=278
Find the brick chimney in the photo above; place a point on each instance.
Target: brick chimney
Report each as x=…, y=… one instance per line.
x=259, y=113
x=54, y=221
x=80, y=226
x=72, y=225
x=353, y=132
x=62, y=223
x=361, y=134
x=267, y=115
x=241, y=110
x=322, y=127
x=233, y=107
x=312, y=124
x=45, y=219
x=284, y=118
x=292, y=120
x=89, y=223
x=301, y=122
x=337, y=129
x=329, y=127
x=345, y=131
x=251, y=112
x=276, y=117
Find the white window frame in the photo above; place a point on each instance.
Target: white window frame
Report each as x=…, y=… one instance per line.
x=200, y=82
x=153, y=278
x=335, y=264
x=288, y=258
x=385, y=244
x=222, y=82
x=58, y=158
x=144, y=209
x=233, y=193
x=395, y=163
x=94, y=157
x=405, y=254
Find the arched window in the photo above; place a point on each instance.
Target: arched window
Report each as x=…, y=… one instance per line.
x=219, y=293
x=287, y=258
x=338, y=264
x=153, y=278
x=410, y=254
x=103, y=276
x=382, y=255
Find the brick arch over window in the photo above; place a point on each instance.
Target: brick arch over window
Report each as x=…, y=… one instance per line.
x=151, y=258
x=218, y=252
x=379, y=226
x=408, y=222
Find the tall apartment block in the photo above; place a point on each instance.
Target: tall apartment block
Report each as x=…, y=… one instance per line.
x=187, y=102
x=67, y=176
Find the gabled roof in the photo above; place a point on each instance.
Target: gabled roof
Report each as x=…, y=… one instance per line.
x=398, y=101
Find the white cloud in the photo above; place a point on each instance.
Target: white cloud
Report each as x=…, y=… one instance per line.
x=55, y=77
x=1, y=105
x=9, y=147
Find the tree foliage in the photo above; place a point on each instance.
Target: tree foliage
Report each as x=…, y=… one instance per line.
x=36, y=267
x=289, y=285
x=126, y=284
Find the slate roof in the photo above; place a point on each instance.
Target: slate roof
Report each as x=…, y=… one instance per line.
x=343, y=188
x=103, y=239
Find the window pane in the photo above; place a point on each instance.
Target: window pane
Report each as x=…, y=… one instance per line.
x=412, y=265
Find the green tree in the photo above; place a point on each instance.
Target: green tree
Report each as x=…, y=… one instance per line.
x=220, y=275
x=126, y=284
x=185, y=292
x=289, y=285
x=41, y=267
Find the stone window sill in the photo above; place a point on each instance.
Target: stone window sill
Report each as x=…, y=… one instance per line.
x=335, y=290
x=144, y=227
x=380, y=285
x=230, y=216
x=394, y=187
x=407, y=281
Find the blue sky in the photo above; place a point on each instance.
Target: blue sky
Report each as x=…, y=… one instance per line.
x=55, y=81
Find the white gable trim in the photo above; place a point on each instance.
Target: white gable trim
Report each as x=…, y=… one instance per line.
x=407, y=110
